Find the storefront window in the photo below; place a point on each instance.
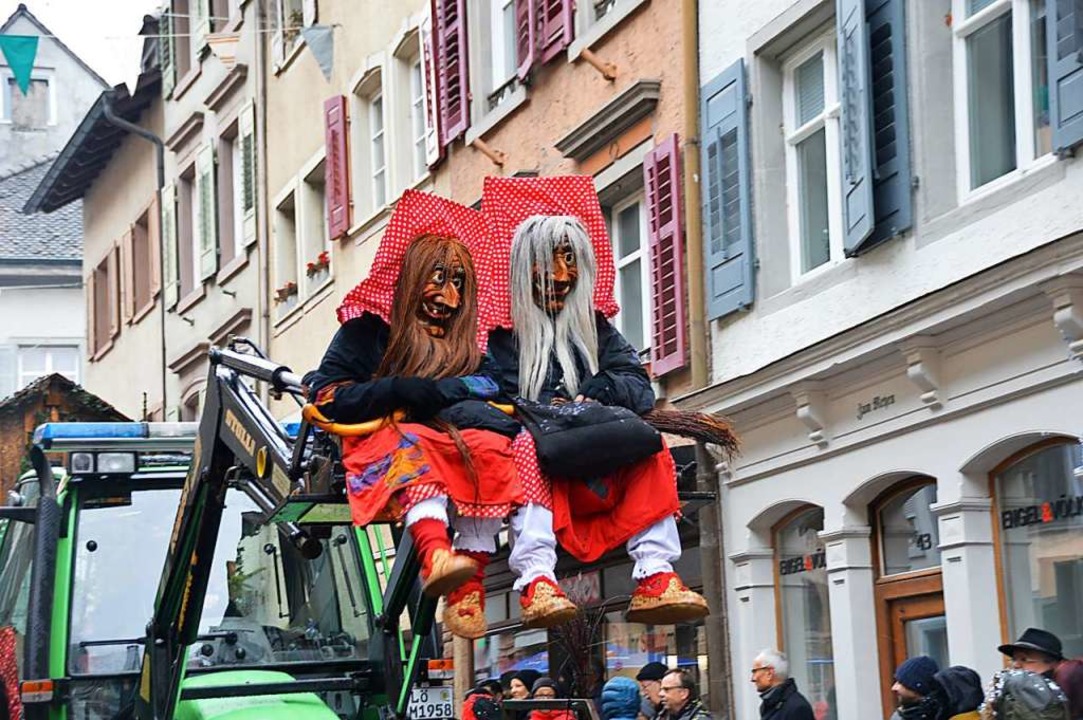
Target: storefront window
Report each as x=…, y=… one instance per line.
x=511, y=651
x=630, y=646
x=806, y=609
x=1040, y=507
x=909, y=539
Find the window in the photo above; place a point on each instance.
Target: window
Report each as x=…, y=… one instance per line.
x=493, y=49
x=1003, y=93
x=141, y=278
x=369, y=146
x=187, y=223
x=1039, y=501
x=103, y=321
x=629, y=228
x=285, y=250
x=40, y=360
x=909, y=538
x=315, y=246
x=182, y=34
x=377, y=154
x=810, y=107
x=289, y=18
x=805, y=605
x=33, y=110
x=231, y=209
x=417, y=118
x=16, y=565
x=221, y=10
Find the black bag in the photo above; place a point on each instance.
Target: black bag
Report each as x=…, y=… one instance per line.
x=586, y=440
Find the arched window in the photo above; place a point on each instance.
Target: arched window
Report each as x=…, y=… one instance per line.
x=805, y=608
x=1039, y=514
x=908, y=534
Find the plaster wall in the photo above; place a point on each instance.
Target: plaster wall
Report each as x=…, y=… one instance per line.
x=33, y=315
x=74, y=91
x=296, y=92
x=127, y=375
x=954, y=237
x=998, y=383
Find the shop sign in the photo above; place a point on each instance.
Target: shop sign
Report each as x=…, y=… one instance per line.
x=879, y=402
x=803, y=563
x=1048, y=512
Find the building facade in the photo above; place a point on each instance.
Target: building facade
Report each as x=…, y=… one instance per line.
x=191, y=221
x=36, y=124
x=42, y=315
x=894, y=285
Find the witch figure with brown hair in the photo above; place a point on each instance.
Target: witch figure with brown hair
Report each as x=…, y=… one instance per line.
x=548, y=301
x=408, y=352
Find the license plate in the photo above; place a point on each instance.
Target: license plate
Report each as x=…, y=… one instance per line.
x=430, y=703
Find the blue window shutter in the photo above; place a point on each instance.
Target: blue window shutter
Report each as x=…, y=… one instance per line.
x=889, y=104
x=856, y=129
x=727, y=193
x=1064, y=20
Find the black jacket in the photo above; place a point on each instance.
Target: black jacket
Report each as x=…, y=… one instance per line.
x=354, y=356
x=621, y=379
x=783, y=702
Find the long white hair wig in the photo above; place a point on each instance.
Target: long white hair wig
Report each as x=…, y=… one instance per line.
x=539, y=334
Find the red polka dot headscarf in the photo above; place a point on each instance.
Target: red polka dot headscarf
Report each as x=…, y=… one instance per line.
x=416, y=214
x=507, y=202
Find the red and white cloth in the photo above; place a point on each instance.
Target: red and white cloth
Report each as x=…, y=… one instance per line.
x=506, y=203
x=9, y=671
x=416, y=214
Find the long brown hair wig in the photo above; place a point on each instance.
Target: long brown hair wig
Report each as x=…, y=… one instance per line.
x=411, y=350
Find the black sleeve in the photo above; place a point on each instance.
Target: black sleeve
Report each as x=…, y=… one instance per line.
x=621, y=378
x=502, y=362
x=342, y=386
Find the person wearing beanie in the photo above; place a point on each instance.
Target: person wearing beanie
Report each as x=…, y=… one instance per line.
x=918, y=696
x=620, y=699
x=649, y=678
x=545, y=688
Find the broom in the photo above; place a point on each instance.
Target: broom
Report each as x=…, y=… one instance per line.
x=699, y=426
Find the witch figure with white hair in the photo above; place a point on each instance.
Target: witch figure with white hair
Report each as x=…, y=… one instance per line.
x=547, y=303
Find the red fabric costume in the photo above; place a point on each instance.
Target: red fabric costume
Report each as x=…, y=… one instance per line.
x=405, y=463
x=587, y=523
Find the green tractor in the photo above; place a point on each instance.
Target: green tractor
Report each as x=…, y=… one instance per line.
x=210, y=571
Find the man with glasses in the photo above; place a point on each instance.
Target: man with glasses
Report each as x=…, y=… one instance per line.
x=680, y=698
x=778, y=691
x=1036, y=651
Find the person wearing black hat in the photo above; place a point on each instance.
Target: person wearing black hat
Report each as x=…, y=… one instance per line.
x=1037, y=651
x=649, y=678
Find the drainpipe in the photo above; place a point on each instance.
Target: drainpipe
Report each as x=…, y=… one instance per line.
x=159, y=146
x=693, y=219
x=712, y=553
x=263, y=240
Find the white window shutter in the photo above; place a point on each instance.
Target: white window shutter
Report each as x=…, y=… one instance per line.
x=433, y=149
x=309, y=12
x=249, y=195
x=168, y=204
x=166, y=45
x=208, y=215
x=200, y=22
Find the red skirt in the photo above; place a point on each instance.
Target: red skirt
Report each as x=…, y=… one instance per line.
x=396, y=466
x=590, y=518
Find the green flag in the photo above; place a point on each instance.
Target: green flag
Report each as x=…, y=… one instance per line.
x=20, y=51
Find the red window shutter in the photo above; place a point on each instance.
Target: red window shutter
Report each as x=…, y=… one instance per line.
x=90, y=298
x=452, y=68
x=336, y=167
x=662, y=180
x=557, y=27
x=526, y=38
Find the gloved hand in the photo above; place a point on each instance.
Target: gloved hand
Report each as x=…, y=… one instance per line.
x=471, y=387
x=596, y=388
x=421, y=397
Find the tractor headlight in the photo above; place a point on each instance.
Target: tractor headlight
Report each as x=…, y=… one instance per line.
x=116, y=462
